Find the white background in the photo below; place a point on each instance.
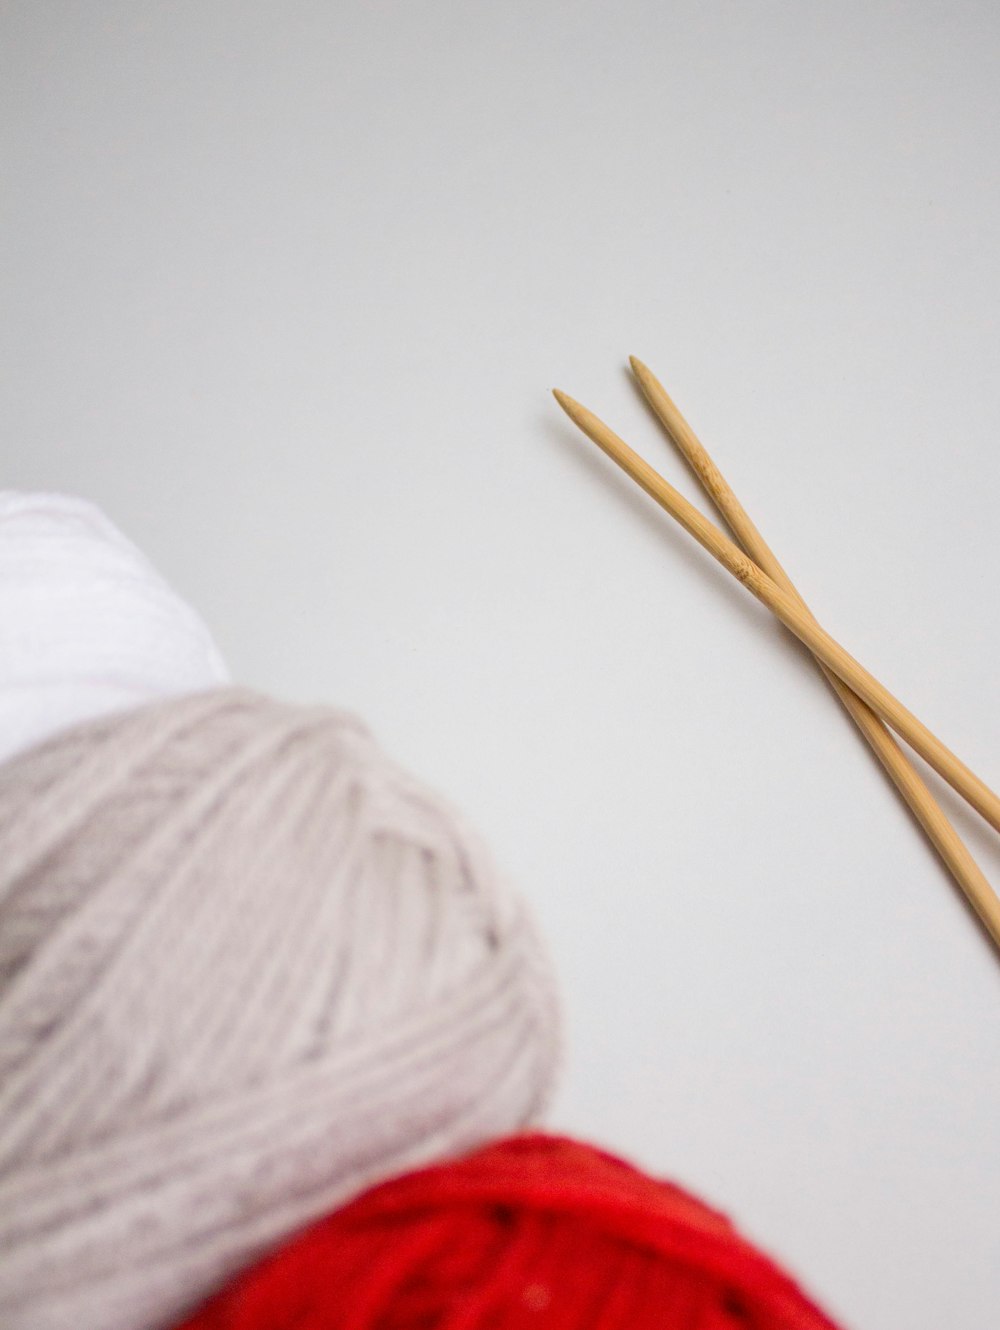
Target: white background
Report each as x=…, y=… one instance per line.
x=284, y=289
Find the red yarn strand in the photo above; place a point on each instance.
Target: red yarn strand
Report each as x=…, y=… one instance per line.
x=532, y=1233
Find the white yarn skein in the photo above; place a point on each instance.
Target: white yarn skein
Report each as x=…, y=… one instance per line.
x=87, y=625
x=248, y=968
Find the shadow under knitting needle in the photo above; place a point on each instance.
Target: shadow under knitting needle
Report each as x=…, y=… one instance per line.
x=680, y=548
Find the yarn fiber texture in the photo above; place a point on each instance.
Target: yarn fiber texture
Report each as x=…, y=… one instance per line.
x=248, y=968
x=87, y=625
x=531, y=1233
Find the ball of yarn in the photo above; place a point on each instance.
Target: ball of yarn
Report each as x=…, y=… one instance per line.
x=248, y=967
x=87, y=625
x=531, y=1233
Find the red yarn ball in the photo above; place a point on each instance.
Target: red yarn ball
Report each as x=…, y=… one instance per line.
x=533, y=1233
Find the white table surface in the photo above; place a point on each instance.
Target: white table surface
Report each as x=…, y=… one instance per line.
x=284, y=289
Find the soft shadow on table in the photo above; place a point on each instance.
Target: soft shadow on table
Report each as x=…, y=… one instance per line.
x=680, y=549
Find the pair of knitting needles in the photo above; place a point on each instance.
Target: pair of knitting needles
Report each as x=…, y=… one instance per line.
x=865, y=699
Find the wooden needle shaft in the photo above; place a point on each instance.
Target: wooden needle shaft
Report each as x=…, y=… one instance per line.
x=904, y=775
x=786, y=608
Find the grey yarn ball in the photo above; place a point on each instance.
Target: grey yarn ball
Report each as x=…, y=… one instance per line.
x=248, y=967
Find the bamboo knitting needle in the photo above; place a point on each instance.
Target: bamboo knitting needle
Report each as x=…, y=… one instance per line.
x=791, y=614
x=904, y=775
